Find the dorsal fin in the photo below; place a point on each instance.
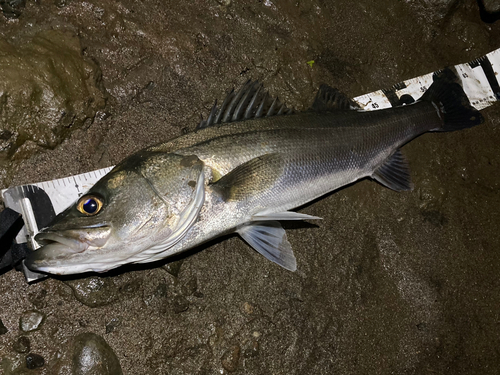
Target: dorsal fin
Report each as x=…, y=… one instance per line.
x=250, y=101
x=330, y=99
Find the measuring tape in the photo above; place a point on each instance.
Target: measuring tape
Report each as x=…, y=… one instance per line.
x=478, y=79
x=40, y=202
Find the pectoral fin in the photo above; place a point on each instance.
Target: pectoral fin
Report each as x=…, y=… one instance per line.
x=269, y=239
x=251, y=178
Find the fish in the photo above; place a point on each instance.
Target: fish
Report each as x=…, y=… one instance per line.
x=243, y=170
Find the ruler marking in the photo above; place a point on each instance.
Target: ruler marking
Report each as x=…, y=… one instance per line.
x=490, y=76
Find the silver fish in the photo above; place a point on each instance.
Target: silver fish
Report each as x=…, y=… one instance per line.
x=242, y=171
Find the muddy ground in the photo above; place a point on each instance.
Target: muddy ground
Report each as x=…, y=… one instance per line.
x=387, y=283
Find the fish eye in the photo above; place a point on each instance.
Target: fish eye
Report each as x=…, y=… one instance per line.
x=89, y=205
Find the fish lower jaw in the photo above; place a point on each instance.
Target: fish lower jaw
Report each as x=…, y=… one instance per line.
x=62, y=267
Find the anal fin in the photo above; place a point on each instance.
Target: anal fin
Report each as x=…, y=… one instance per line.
x=269, y=239
x=394, y=173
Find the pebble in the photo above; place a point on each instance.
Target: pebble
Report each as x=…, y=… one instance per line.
x=114, y=323
x=491, y=6
x=34, y=361
x=22, y=345
x=3, y=329
x=12, y=8
x=231, y=358
x=31, y=321
x=180, y=304
x=173, y=268
x=251, y=349
x=191, y=286
x=93, y=356
x=38, y=299
x=94, y=291
x=248, y=308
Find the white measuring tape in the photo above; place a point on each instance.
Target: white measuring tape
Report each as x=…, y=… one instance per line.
x=41, y=201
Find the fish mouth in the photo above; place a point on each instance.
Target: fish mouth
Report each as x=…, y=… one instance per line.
x=72, y=245
x=61, y=252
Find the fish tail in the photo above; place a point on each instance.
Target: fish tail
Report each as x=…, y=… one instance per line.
x=451, y=102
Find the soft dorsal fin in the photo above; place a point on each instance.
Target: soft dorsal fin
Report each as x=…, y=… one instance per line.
x=269, y=239
x=251, y=101
x=329, y=99
x=394, y=173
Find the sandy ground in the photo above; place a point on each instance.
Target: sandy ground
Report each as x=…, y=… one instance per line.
x=387, y=283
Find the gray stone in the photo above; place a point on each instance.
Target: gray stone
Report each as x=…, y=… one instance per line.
x=22, y=344
x=491, y=6
x=3, y=329
x=94, y=291
x=231, y=358
x=12, y=8
x=173, y=268
x=180, y=304
x=113, y=324
x=31, y=321
x=34, y=361
x=93, y=356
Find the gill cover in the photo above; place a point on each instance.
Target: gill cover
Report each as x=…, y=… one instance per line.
x=167, y=208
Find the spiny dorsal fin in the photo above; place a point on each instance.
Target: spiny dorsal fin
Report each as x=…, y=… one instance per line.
x=330, y=99
x=394, y=173
x=251, y=101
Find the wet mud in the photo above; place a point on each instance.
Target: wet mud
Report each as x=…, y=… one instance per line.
x=387, y=282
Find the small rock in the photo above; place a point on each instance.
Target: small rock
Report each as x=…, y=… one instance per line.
x=491, y=6
x=61, y=3
x=422, y=326
x=12, y=8
x=94, y=291
x=31, y=321
x=173, y=268
x=93, y=356
x=38, y=299
x=114, y=323
x=251, y=349
x=34, y=361
x=231, y=358
x=161, y=290
x=191, y=286
x=180, y=304
x=3, y=329
x=248, y=308
x=131, y=287
x=22, y=345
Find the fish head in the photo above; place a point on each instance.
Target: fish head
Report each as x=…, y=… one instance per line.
x=135, y=213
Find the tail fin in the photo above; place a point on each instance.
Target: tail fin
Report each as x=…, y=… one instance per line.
x=452, y=103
